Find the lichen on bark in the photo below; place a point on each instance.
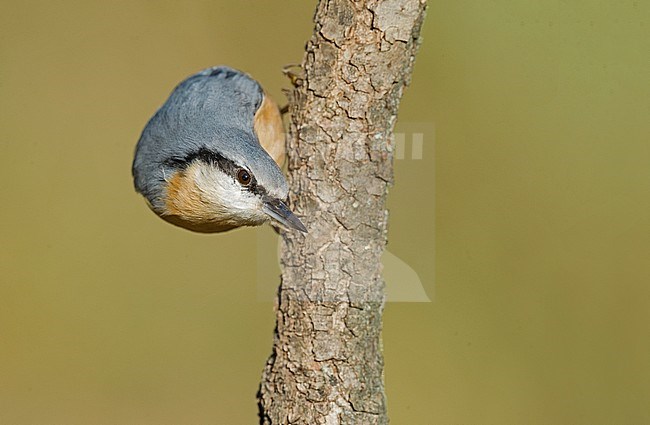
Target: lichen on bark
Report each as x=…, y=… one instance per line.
x=327, y=365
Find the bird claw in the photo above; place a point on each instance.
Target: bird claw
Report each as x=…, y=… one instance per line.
x=295, y=73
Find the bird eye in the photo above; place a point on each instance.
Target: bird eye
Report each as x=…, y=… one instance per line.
x=244, y=177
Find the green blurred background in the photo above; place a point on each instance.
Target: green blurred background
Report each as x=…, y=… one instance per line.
x=527, y=220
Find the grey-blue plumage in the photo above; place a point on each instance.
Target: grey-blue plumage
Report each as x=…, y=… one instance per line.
x=208, y=118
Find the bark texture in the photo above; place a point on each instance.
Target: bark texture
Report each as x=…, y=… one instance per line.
x=327, y=363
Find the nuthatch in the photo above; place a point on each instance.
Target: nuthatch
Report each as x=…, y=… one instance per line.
x=209, y=159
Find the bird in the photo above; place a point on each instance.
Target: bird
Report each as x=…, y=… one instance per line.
x=209, y=160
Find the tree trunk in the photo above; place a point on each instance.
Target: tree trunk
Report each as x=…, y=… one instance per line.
x=327, y=364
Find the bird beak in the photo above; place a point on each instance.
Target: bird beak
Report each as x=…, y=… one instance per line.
x=278, y=210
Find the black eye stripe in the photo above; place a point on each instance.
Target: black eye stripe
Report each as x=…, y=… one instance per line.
x=215, y=159
x=204, y=155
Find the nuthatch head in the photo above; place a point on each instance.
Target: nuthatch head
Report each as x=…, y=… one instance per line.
x=209, y=159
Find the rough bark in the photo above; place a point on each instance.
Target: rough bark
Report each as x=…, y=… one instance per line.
x=327, y=363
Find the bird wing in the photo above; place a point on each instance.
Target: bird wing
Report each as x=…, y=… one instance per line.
x=243, y=90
